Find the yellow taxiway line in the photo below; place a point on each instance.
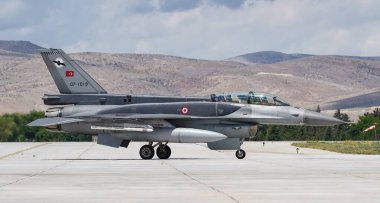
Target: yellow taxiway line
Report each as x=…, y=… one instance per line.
x=22, y=150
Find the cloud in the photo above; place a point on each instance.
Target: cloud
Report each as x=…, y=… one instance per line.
x=143, y=47
x=208, y=29
x=8, y=8
x=79, y=46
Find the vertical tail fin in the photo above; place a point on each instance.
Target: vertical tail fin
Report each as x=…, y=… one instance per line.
x=69, y=77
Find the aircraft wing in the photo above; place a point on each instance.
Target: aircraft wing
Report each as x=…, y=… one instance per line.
x=124, y=118
x=43, y=122
x=126, y=126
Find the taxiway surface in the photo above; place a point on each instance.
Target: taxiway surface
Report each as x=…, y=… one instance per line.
x=87, y=172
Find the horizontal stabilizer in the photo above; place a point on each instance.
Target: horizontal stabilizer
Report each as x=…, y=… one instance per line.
x=43, y=122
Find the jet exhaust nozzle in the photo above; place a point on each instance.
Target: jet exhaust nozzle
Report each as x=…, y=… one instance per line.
x=53, y=112
x=54, y=128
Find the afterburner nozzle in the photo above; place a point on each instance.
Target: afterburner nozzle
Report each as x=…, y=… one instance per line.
x=53, y=112
x=312, y=118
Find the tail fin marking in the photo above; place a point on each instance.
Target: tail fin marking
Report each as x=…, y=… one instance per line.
x=69, y=77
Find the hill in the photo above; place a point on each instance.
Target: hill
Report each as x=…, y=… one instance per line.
x=266, y=57
x=306, y=81
x=359, y=101
x=269, y=57
x=18, y=47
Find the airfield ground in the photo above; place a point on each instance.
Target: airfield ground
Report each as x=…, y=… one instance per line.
x=87, y=172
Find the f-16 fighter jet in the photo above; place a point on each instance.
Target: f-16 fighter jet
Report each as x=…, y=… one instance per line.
x=223, y=121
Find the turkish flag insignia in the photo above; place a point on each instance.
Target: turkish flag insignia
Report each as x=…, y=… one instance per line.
x=69, y=73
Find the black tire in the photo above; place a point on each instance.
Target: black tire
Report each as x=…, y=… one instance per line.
x=147, y=152
x=163, y=151
x=240, y=154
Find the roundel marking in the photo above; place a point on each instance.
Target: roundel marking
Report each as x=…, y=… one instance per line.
x=184, y=110
x=58, y=62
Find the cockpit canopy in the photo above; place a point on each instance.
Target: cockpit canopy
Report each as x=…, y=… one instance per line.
x=257, y=98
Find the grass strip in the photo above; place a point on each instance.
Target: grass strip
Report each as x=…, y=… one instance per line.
x=346, y=147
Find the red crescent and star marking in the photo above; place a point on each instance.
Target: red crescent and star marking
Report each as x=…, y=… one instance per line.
x=69, y=73
x=184, y=110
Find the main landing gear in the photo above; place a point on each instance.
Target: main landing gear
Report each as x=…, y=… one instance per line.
x=147, y=152
x=163, y=151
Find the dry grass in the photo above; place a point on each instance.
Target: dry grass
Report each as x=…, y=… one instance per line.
x=347, y=147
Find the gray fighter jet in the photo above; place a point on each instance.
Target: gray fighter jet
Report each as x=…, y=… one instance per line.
x=222, y=121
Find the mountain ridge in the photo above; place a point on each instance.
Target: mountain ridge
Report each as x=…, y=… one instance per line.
x=21, y=47
x=269, y=57
x=306, y=81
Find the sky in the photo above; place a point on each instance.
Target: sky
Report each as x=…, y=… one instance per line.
x=203, y=29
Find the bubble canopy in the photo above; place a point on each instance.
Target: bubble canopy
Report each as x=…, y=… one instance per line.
x=258, y=98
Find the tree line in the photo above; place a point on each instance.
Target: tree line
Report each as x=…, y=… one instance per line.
x=349, y=131
x=13, y=129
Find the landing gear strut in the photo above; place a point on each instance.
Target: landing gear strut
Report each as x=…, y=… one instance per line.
x=163, y=151
x=147, y=152
x=240, y=154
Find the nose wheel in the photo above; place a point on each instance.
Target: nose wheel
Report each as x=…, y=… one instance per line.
x=240, y=154
x=163, y=151
x=147, y=152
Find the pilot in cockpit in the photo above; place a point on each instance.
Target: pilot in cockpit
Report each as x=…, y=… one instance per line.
x=213, y=97
x=250, y=98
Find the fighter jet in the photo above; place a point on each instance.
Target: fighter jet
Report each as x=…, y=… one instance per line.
x=223, y=121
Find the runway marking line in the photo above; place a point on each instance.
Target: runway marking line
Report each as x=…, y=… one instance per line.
x=22, y=150
x=200, y=182
x=43, y=171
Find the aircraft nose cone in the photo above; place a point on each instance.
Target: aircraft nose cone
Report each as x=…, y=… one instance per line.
x=312, y=118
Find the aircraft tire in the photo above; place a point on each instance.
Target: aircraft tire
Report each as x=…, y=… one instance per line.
x=163, y=151
x=240, y=154
x=147, y=152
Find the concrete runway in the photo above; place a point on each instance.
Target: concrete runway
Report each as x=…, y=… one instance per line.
x=87, y=172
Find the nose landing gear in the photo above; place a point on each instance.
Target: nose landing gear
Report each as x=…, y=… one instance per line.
x=240, y=154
